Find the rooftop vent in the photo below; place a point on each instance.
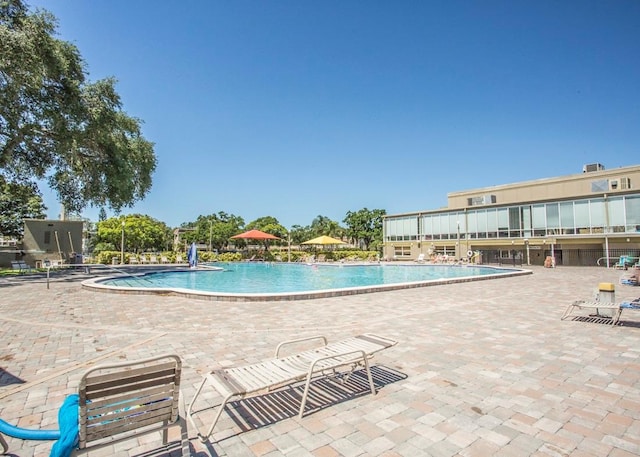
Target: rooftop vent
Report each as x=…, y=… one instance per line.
x=481, y=200
x=592, y=167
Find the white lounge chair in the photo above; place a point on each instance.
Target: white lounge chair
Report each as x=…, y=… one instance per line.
x=248, y=380
x=613, y=308
x=420, y=258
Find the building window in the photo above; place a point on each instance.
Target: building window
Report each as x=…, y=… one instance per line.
x=601, y=185
x=566, y=218
x=514, y=221
x=597, y=215
x=615, y=208
x=582, y=216
x=402, y=251
x=47, y=237
x=632, y=212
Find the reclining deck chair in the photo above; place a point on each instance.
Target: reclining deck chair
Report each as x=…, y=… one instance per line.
x=117, y=403
x=278, y=372
x=613, y=308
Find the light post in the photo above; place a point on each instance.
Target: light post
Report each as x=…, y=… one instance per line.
x=122, y=246
x=526, y=243
x=288, y=246
x=210, y=234
x=458, y=252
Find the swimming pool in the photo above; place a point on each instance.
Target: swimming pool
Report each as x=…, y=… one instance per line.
x=258, y=281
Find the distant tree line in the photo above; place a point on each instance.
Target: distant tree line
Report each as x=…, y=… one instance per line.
x=142, y=233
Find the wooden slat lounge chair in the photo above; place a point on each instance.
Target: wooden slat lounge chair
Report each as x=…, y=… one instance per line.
x=119, y=402
x=324, y=360
x=122, y=401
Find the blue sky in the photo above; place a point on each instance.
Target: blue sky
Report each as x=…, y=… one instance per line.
x=295, y=108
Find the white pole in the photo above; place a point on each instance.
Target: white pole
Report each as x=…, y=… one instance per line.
x=122, y=246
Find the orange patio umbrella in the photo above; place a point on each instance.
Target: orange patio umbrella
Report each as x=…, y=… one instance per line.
x=256, y=235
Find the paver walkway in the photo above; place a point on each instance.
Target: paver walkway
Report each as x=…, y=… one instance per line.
x=482, y=368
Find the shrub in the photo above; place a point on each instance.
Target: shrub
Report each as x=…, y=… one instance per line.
x=106, y=257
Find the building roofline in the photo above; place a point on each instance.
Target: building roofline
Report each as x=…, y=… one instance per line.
x=485, y=190
x=599, y=173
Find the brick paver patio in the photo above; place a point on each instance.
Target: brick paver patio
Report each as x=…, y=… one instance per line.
x=481, y=368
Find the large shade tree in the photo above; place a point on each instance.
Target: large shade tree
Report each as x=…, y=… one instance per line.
x=365, y=227
x=58, y=127
x=140, y=233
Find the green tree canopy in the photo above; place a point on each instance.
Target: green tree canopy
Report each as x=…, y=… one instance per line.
x=322, y=225
x=17, y=202
x=141, y=233
x=300, y=234
x=55, y=125
x=214, y=230
x=365, y=226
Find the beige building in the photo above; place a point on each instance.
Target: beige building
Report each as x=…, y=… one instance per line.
x=58, y=241
x=588, y=218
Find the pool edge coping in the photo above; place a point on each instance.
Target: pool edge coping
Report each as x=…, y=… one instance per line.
x=93, y=284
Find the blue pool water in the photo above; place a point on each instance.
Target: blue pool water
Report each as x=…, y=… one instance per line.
x=277, y=278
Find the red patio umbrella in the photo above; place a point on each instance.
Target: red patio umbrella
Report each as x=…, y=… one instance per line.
x=256, y=235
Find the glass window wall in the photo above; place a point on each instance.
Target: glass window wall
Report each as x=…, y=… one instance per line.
x=585, y=216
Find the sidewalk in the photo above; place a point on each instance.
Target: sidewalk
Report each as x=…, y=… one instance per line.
x=483, y=368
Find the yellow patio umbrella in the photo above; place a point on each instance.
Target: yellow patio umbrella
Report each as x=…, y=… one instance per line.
x=324, y=240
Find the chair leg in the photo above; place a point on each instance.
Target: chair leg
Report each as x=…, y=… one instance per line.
x=567, y=311
x=184, y=431
x=366, y=367
x=303, y=402
x=218, y=414
x=5, y=446
x=616, y=315
x=193, y=400
x=204, y=437
x=165, y=433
